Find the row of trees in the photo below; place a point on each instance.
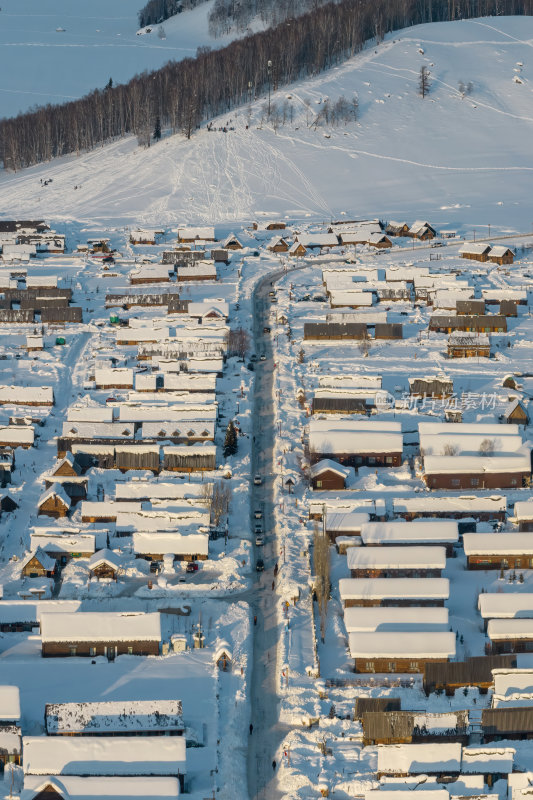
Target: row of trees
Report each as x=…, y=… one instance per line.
x=184, y=94
x=156, y=11
x=228, y=15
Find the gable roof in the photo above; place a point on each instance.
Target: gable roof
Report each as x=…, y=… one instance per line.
x=68, y=460
x=55, y=490
x=46, y=561
x=104, y=557
x=328, y=465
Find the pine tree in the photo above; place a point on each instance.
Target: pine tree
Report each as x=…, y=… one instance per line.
x=423, y=82
x=109, y=84
x=230, y=441
x=157, y=129
x=301, y=356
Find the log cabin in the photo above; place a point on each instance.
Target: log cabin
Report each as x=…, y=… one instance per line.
x=38, y=565
x=498, y=550
x=327, y=474
x=54, y=502
x=386, y=652
x=368, y=592
x=115, y=718
x=396, y=562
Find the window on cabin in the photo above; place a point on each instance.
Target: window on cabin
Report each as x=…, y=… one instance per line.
x=190, y=433
x=456, y=482
x=130, y=651
x=388, y=459
x=371, y=459
x=92, y=651
x=474, y=481
x=369, y=666
x=392, y=666
x=72, y=651
x=413, y=666
x=161, y=432
x=319, y=484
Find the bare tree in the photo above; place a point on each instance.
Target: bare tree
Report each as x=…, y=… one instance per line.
x=450, y=450
x=321, y=566
x=238, y=342
x=486, y=448
x=423, y=81
x=220, y=502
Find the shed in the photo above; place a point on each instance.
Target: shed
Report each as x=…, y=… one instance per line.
x=412, y=727
x=432, y=386
x=104, y=564
x=515, y=413
x=223, y=656
x=327, y=474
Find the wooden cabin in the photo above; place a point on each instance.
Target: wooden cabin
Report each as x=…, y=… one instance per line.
x=54, y=502
x=385, y=330
x=335, y=330
x=487, y=323
x=297, y=250
x=475, y=251
x=397, y=229
x=431, y=387
x=506, y=723
x=38, y=565
x=223, y=657
x=509, y=308
x=189, y=458
x=523, y=515
x=366, y=705
x=476, y=671
x=232, y=243
x=115, y=718
x=468, y=345
x=470, y=308
x=275, y=226
x=278, y=245
x=500, y=254
x=396, y=592
x=410, y=727
x=510, y=635
x=412, y=760
x=96, y=633
x=396, y=562
x=515, y=414
x=379, y=240
x=420, y=229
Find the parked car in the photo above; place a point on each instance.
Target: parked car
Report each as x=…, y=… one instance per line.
x=260, y=565
x=253, y=357
x=154, y=566
x=266, y=329
x=258, y=527
x=258, y=480
x=259, y=540
x=192, y=566
x=258, y=514
x=251, y=366
x=263, y=357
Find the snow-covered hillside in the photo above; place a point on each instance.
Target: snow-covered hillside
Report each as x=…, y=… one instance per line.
x=459, y=161
x=53, y=51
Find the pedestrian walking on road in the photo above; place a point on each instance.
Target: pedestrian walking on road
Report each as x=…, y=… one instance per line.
x=251, y=728
x=255, y=620
x=273, y=585
x=274, y=764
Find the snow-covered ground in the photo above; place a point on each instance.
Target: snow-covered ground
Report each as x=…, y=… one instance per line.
x=461, y=161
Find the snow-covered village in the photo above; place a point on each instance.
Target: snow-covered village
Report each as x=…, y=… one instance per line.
x=266, y=402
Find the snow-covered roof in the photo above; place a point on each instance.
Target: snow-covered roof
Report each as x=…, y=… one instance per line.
x=90, y=414
x=469, y=504
x=512, y=687
x=150, y=272
x=354, y=436
x=55, y=543
x=134, y=490
x=317, y=239
x=17, y=434
x=523, y=510
x=204, y=268
x=326, y=464
x=121, y=376
x=520, y=785
x=56, y=490
x=108, y=509
x=416, y=759
x=359, y=619
x=458, y=464
x=499, y=250
x=104, y=557
x=410, y=644
x=505, y=605
x=417, y=531
x=92, y=788
x=12, y=611
x=396, y=558
x=468, y=339
x=123, y=335
x=346, y=297
x=407, y=794
x=491, y=758
x=176, y=413
x=104, y=755
x=46, y=561
x=382, y=588
x=38, y=281
x=351, y=381
x=205, y=306
x=338, y=522
x=22, y=395
x=101, y=626
x=502, y=629
x=184, y=429
x=9, y=703
x=504, y=294
x=175, y=543
x=437, y=439
x=474, y=248
x=486, y=544
x=205, y=233
x=114, y=717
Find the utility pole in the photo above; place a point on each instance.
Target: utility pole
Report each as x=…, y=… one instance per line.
x=269, y=73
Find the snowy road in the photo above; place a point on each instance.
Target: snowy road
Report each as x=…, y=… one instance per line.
x=268, y=733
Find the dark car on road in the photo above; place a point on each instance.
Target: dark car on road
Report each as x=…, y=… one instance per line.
x=260, y=565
